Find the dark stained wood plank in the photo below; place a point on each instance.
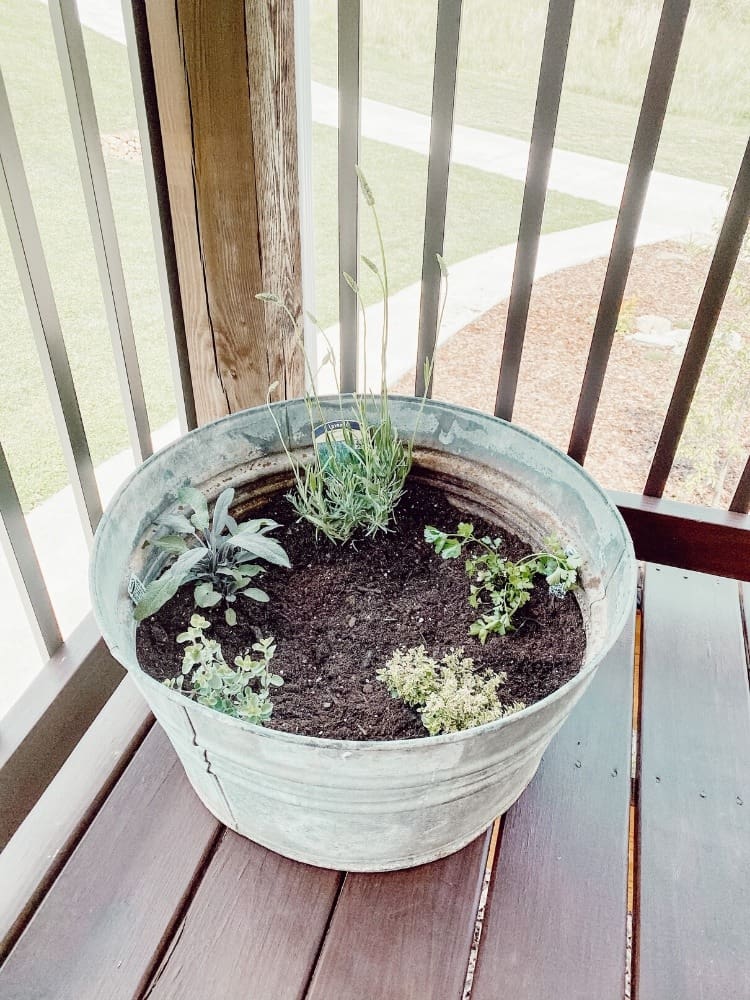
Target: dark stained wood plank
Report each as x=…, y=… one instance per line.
x=101, y=927
x=41, y=730
x=254, y=928
x=694, y=815
x=36, y=853
x=555, y=924
x=680, y=534
x=404, y=935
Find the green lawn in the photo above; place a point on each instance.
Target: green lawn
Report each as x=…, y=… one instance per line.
x=483, y=213
x=708, y=118
x=35, y=92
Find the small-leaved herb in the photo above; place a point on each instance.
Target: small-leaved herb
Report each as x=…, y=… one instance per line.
x=501, y=585
x=222, y=556
x=244, y=692
x=449, y=695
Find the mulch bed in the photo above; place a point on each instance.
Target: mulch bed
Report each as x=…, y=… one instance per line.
x=666, y=279
x=341, y=611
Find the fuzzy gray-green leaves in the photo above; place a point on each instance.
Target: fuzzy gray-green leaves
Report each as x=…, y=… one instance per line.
x=220, y=555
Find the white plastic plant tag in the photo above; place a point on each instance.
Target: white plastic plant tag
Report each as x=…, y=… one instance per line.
x=136, y=590
x=339, y=433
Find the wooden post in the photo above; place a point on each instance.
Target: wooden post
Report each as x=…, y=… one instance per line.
x=225, y=88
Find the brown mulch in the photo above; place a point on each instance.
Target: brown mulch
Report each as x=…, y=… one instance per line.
x=666, y=280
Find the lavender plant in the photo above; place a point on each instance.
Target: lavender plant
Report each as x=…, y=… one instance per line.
x=357, y=476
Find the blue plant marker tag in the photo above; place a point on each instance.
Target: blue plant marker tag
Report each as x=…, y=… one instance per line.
x=338, y=434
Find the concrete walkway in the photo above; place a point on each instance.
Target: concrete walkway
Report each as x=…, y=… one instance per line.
x=689, y=205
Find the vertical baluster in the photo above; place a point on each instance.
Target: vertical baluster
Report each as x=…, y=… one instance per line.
x=24, y=566
x=350, y=79
x=552, y=70
x=648, y=131
x=26, y=245
x=66, y=30
x=441, y=137
x=725, y=256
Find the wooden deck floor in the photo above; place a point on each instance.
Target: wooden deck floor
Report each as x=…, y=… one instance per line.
x=158, y=900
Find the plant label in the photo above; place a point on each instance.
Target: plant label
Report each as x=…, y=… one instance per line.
x=339, y=435
x=136, y=590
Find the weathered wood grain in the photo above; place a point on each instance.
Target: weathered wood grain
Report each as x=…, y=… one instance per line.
x=100, y=929
x=177, y=143
x=224, y=73
x=212, y=36
x=555, y=924
x=273, y=110
x=694, y=815
x=403, y=934
x=254, y=928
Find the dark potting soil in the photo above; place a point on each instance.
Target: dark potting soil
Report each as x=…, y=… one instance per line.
x=342, y=610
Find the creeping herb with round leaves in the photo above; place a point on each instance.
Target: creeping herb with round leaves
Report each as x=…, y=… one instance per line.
x=244, y=692
x=502, y=584
x=220, y=555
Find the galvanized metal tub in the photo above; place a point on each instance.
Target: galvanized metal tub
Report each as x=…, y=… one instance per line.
x=377, y=805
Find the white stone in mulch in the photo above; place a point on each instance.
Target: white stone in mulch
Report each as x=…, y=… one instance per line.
x=652, y=324
x=657, y=331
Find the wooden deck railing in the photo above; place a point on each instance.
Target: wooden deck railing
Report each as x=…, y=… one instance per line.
x=697, y=538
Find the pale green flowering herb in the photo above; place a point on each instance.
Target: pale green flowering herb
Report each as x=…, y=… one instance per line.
x=449, y=695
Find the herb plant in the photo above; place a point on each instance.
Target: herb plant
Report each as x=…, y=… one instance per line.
x=356, y=477
x=497, y=582
x=449, y=695
x=221, y=555
x=244, y=693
